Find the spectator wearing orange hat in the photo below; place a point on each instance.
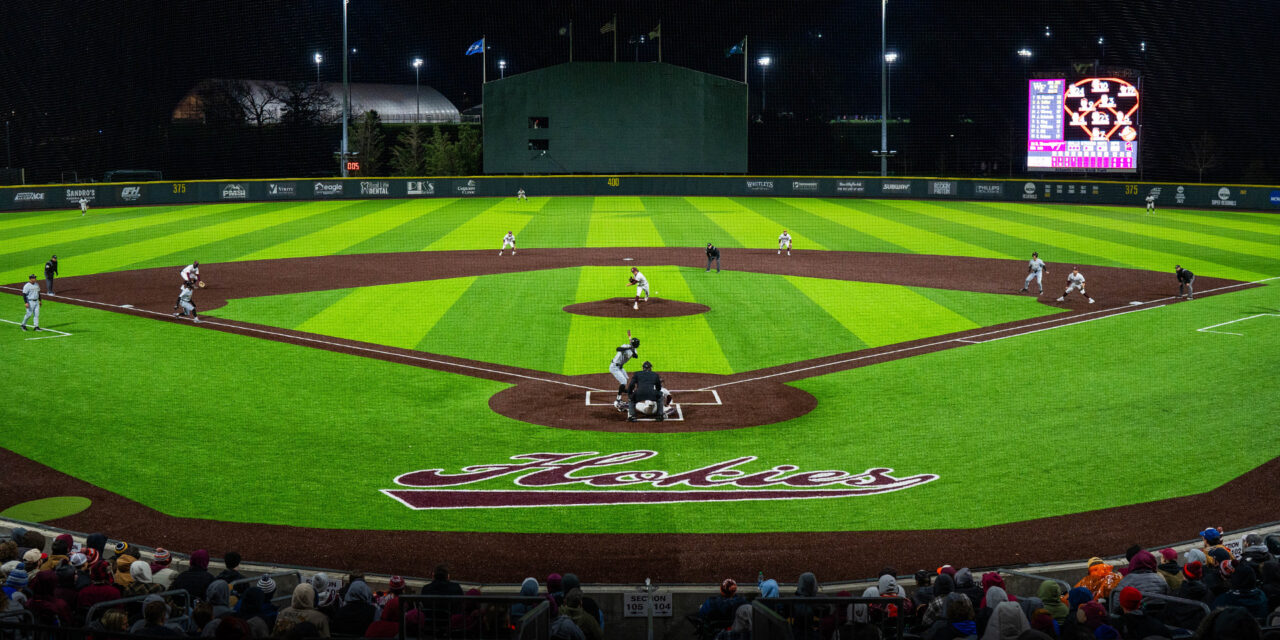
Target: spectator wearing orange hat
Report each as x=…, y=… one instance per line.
x=1188, y=616
x=1101, y=579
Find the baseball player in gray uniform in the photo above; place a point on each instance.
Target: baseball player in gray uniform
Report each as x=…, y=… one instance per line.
x=184, y=305
x=1075, y=281
x=31, y=297
x=620, y=357
x=1035, y=271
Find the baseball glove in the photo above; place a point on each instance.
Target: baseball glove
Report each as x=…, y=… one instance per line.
x=200, y=284
x=631, y=280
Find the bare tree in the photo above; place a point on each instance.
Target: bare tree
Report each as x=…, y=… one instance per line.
x=1202, y=154
x=305, y=103
x=261, y=102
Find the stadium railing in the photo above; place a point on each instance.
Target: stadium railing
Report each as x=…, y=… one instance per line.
x=96, y=610
x=801, y=616
x=284, y=588
x=479, y=616
x=1066, y=586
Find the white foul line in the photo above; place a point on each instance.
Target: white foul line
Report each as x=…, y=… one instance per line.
x=1068, y=324
x=1228, y=333
x=332, y=344
x=61, y=334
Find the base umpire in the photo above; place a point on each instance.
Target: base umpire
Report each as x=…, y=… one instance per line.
x=645, y=386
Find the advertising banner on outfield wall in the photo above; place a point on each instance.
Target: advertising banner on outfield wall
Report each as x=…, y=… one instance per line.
x=1225, y=197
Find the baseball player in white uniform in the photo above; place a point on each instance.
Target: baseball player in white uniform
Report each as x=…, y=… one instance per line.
x=1151, y=203
x=31, y=297
x=191, y=273
x=184, y=305
x=1035, y=271
x=1075, y=281
x=642, y=285
x=520, y=195
x=620, y=357
x=784, y=242
x=508, y=240
x=84, y=206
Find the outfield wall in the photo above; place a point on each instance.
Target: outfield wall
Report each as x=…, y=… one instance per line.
x=1252, y=197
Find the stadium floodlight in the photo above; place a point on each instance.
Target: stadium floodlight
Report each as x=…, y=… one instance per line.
x=764, y=62
x=1047, y=32
x=318, y=58
x=1024, y=52
x=891, y=57
x=502, y=68
x=417, y=91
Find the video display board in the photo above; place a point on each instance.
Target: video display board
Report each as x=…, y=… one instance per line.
x=1086, y=125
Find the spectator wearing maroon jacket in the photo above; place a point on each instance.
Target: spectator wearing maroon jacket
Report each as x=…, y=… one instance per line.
x=195, y=580
x=44, y=605
x=101, y=589
x=388, y=626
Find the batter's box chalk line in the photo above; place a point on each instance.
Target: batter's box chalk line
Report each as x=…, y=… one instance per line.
x=61, y=334
x=1210, y=328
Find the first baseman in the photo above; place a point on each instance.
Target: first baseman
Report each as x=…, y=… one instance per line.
x=784, y=242
x=184, y=304
x=31, y=297
x=1185, y=278
x=642, y=284
x=1035, y=270
x=622, y=354
x=508, y=240
x=1075, y=281
x=191, y=273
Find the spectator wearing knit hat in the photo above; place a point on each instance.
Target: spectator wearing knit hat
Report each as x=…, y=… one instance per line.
x=1169, y=569
x=1244, y=593
x=231, y=561
x=1255, y=552
x=720, y=608
x=1143, y=577
x=16, y=581
x=268, y=588
x=101, y=590
x=196, y=579
x=1101, y=579
x=162, y=571
x=1188, y=616
x=1134, y=622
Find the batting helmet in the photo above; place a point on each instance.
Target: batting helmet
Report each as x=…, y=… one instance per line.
x=635, y=342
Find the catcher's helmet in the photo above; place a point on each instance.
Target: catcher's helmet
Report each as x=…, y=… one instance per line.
x=647, y=366
x=635, y=342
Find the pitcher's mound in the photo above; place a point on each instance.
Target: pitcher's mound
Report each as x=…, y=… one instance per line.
x=622, y=308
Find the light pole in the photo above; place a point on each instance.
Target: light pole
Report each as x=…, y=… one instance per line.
x=1025, y=55
x=764, y=62
x=884, y=98
x=346, y=89
x=318, y=58
x=1102, y=48
x=417, y=90
x=889, y=58
x=502, y=68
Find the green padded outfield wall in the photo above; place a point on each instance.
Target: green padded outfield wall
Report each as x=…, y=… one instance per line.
x=600, y=117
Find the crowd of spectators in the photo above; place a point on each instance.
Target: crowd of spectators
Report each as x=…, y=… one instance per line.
x=1150, y=595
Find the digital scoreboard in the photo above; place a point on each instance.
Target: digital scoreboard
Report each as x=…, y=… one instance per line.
x=1088, y=125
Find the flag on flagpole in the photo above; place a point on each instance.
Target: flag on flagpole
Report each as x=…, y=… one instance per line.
x=564, y=31
x=656, y=33
x=736, y=49
x=476, y=47
x=609, y=26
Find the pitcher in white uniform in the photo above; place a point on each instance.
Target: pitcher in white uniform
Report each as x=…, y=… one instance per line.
x=642, y=286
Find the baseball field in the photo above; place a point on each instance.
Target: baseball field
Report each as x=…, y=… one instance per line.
x=372, y=375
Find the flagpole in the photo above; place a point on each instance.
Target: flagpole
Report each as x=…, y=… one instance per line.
x=615, y=37
x=744, y=61
x=660, y=38
x=570, y=41
x=484, y=61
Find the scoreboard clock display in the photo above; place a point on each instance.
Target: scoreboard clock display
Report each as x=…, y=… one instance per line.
x=1088, y=125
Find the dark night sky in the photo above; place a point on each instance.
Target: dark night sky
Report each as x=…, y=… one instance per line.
x=75, y=66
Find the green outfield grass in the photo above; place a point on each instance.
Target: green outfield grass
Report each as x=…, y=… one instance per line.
x=1117, y=411
x=827, y=317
